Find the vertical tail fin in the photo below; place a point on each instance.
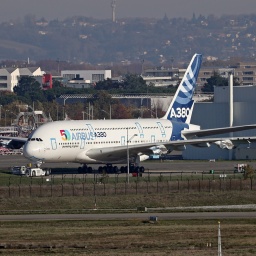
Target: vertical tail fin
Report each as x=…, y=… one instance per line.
x=181, y=106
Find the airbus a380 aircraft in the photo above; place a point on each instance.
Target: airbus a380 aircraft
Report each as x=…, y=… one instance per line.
x=110, y=141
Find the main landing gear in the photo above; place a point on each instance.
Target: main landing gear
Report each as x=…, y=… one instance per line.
x=108, y=168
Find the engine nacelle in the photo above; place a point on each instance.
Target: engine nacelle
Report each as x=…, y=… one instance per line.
x=225, y=144
x=203, y=145
x=143, y=157
x=159, y=150
x=178, y=148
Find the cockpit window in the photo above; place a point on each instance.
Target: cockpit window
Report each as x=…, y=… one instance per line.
x=35, y=139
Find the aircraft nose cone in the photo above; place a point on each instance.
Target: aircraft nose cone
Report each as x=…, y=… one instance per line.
x=30, y=151
x=27, y=152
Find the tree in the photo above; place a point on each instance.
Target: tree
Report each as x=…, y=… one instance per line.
x=107, y=84
x=101, y=102
x=134, y=83
x=29, y=88
x=119, y=111
x=248, y=172
x=217, y=80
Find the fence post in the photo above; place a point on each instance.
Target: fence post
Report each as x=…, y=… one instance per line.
x=209, y=185
x=251, y=183
x=178, y=185
x=188, y=185
x=199, y=185
x=19, y=190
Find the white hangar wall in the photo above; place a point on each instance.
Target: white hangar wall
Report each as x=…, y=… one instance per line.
x=216, y=114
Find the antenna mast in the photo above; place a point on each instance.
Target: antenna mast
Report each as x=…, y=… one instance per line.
x=113, y=5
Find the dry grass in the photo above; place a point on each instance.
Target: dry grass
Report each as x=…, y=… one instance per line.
x=124, y=202
x=128, y=237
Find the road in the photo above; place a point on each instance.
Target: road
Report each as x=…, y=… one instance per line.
x=127, y=216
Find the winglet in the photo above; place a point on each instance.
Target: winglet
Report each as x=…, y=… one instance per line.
x=181, y=106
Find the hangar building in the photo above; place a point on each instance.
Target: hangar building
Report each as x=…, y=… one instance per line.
x=216, y=114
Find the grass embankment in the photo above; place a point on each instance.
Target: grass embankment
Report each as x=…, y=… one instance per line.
x=122, y=203
x=134, y=237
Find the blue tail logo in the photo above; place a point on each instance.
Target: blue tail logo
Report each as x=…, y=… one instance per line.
x=182, y=104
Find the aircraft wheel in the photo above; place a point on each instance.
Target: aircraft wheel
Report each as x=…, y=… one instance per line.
x=100, y=169
x=115, y=169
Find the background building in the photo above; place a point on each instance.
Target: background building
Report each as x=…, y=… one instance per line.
x=9, y=77
x=85, y=76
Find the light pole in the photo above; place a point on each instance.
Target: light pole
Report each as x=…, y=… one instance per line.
x=5, y=117
x=128, y=165
x=0, y=112
x=109, y=113
x=219, y=241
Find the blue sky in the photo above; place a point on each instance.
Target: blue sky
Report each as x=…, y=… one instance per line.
x=101, y=9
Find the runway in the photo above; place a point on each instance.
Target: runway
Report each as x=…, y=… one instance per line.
x=7, y=161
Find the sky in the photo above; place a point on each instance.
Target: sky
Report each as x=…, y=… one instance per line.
x=101, y=9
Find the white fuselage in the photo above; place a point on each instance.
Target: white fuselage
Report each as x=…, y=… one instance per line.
x=68, y=141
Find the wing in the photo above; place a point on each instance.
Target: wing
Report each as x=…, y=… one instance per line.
x=14, y=142
x=119, y=154
x=207, y=132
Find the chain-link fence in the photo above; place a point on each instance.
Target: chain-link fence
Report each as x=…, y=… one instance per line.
x=99, y=185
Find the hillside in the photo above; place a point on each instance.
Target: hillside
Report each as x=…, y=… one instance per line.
x=160, y=42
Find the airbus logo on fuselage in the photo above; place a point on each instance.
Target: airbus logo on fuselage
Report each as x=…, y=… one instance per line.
x=66, y=135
